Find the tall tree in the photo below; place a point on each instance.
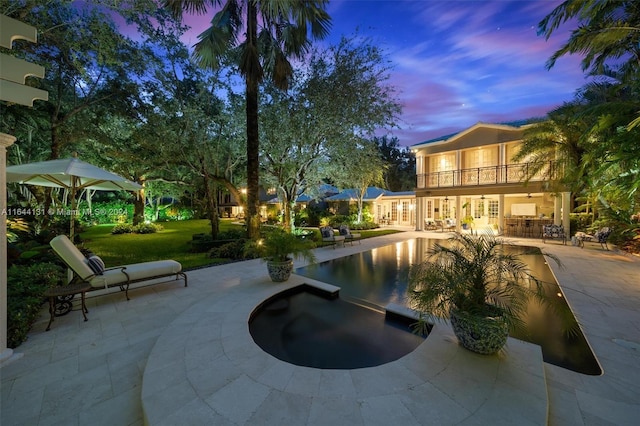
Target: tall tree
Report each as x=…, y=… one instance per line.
x=274, y=30
x=340, y=99
x=608, y=35
x=87, y=62
x=400, y=173
x=362, y=169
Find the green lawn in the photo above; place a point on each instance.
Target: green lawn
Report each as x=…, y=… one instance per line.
x=170, y=243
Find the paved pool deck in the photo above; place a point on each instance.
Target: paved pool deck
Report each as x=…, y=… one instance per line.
x=180, y=356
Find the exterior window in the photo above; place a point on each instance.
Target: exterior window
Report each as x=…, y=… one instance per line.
x=429, y=208
x=479, y=209
x=394, y=210
x=481, y=157
x=493, y=208
x=405, y=211
x=444, y=162
x=445, y=209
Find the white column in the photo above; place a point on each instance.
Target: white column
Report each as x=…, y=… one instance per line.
x=557, y=211
x=501, y=214
x=459, y=214
x=419, y=213
x=5, y=142
x=566, y=209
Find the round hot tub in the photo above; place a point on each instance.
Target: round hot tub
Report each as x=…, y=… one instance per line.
x=304, y=327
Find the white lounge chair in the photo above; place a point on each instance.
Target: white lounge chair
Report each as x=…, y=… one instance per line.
x=120, y=276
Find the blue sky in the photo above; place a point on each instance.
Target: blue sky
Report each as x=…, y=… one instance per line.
x=458, y=62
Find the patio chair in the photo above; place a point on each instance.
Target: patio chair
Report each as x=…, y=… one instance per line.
x=92, y=271
x=329, y=237
x=601, y=236
x=450, y=224
x=551, y=232
x=348, y=235
x=431, y=226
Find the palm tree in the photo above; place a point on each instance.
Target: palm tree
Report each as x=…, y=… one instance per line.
x=554, y=142
x=608, y=29
x=274, y=31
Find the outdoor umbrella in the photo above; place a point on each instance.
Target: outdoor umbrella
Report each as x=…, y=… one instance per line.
x=71, y=174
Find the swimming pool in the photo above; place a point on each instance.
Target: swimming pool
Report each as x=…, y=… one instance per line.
x=380, y=276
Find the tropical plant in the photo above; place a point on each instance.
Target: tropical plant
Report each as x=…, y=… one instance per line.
x=280, y=246
x=608, y=30
x=278, y=249
x=477, y=278
x=283, y=34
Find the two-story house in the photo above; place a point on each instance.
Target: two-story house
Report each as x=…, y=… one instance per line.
x=471, y=174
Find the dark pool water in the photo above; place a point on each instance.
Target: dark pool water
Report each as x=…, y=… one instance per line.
x=306, y=329
x=380, y=276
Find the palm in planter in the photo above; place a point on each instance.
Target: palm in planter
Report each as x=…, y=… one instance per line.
x=483, y=290
x=279, y=248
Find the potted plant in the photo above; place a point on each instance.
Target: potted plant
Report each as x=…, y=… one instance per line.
x=279, y=248
x=476, y=284
x=467, y=220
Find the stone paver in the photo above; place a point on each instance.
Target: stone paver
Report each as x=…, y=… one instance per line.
x=147, y=356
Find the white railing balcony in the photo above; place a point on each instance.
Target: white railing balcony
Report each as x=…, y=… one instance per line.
x=492, y=175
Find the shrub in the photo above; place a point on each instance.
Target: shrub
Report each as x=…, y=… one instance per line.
x=26, y=285
x=339, y=219
x=363, y=225
x=122, y=228
x=147, y=228
x=232, y=234
x=233, y=250
x=143, y=228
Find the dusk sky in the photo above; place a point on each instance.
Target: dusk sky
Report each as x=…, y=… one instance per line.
x=457, y=63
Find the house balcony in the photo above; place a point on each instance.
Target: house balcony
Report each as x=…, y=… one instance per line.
x=492, y=175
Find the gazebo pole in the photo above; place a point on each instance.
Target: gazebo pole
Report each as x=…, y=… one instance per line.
x=5, y=142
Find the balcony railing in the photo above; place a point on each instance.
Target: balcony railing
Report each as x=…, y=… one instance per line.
x=493, y=175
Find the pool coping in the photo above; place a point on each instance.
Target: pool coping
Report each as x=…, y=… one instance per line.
x=205, y=368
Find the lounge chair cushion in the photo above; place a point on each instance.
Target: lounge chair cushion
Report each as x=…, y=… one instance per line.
x=327, y=232
x=71, y=256
x=135, y=272
x=96, y=264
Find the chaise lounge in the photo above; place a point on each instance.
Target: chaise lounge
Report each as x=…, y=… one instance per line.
x=86, y=271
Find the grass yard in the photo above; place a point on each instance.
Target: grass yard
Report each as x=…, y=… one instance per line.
x=171, y=243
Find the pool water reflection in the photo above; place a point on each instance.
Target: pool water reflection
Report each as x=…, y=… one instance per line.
x=380, y=276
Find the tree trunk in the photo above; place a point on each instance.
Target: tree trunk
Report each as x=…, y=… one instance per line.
x=212, y=206
x=138, y=206
x=288, y=216
x=253, y=143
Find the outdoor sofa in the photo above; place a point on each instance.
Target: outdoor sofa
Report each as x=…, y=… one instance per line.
x=553, y=232
x=119, y=276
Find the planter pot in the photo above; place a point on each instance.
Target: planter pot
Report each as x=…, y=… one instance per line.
x=280, y=271
x=484, y=335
